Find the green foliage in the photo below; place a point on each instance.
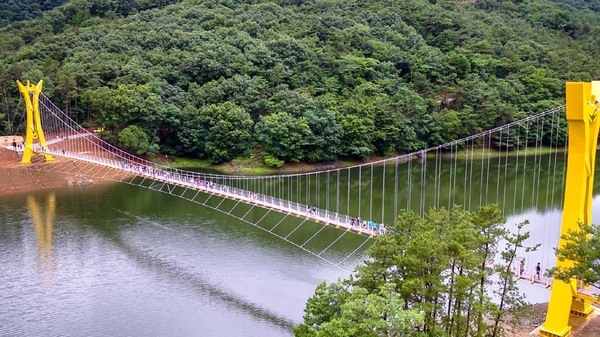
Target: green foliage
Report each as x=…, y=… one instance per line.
x=361, y=79
x=340, y=310
x=510, y=299
x=134, y=139
x=582, y=248
x=19, y=10
x=323, y=136
x=126, y=105
x=219, y=132
x=325, y=304
x=283, y=136
x=450, y=283
x=271, y=161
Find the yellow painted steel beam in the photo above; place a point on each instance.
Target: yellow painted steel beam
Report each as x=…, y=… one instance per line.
x=586, y=295
x=31, y=95
x=583, y=117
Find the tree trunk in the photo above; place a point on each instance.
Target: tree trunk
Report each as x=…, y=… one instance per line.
x=449, y=321
x=7, y=107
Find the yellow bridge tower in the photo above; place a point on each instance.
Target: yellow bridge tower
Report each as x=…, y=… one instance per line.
x=583, y=117
x=31, y=96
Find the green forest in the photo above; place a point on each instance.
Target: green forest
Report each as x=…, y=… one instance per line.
x=411, y=287
x=294, y=80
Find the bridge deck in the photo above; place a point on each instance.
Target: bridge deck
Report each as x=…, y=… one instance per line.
x=191, y=182
x=543, y=281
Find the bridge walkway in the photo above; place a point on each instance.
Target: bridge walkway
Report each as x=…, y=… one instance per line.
x=185, y=179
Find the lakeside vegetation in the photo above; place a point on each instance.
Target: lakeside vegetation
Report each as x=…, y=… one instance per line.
x=416, y=288
x=257, y=84
x=254, y=166
x=302, y=81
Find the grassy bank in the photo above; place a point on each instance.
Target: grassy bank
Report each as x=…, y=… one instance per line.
x=251, y=166
x=490, y=153
x=254, y=166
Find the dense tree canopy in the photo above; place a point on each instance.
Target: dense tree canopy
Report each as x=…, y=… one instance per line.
x=217, y=131
x=340, y=310
x=19, y=10
x=582, y=248
x=346, y=79
x=409, y=286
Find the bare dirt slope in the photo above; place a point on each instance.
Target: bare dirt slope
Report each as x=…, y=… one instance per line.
x=530, y=325
x=15, y=177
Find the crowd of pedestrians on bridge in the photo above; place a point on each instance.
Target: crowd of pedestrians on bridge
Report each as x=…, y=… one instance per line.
x=354, y=222
x=368, y=224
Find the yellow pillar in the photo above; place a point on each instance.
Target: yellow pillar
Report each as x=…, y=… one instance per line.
x=583, y=123
x=31, y=95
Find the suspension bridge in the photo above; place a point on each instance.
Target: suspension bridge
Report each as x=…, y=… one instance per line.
x=521, y=166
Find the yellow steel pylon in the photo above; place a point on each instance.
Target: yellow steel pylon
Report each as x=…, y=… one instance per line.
x=583, y=117
x=31, y=95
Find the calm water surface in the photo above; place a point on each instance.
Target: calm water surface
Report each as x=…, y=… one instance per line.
x=117, y=260
x=122, y=261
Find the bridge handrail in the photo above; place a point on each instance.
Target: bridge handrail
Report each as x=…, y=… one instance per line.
x=124, y=160
x=57, y=112
x=191, y=181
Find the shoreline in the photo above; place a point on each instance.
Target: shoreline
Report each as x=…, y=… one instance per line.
x=253, y=167
x=17, y=178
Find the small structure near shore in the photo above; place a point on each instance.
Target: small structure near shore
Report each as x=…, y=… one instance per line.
x=6, y=141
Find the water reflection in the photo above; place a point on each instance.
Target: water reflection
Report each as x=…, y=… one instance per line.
x=43, y=222
x=129, y=261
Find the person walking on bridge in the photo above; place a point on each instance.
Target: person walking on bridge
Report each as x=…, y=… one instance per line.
x=522, y=267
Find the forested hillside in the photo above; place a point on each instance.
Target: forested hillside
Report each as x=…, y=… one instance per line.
x=19, y=10
x=298, y=80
